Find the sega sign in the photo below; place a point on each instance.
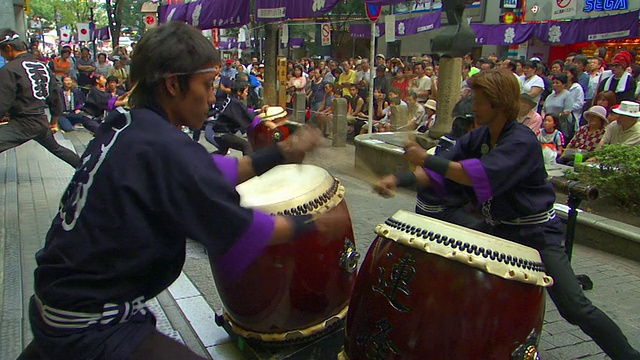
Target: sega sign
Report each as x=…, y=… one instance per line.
x=605, y=5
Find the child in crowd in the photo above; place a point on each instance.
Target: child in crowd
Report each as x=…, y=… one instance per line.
x=550, y=136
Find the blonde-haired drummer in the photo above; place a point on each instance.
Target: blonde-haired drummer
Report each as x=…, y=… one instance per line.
x=501, y=166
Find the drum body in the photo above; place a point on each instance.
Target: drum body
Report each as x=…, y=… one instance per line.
x=299, y=289
x=262, y=136
x=421, y=294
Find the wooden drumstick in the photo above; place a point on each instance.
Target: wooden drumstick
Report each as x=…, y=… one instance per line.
x=367, y=175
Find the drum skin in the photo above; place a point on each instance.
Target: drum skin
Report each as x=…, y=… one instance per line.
x=409, y=304
x=291, y=286
x=262, y=136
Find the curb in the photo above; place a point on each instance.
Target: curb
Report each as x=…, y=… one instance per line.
x=605, y=234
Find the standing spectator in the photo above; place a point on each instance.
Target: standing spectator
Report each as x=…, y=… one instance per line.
x=316, y=93
x=85, y=66
x=346, y=79
x=421, y=85
x=581, y=62
x=468, y=59
x=401, y=81
x=595, y=74
x=606, y=99
x=577, y=94
x=560, y=102
x=228, y=70
x=557, y=67
x=621, y=82
x=532, y=84
x=62, y=65
x=119, y=71
x=72, y=100
x=381, y=81
x=588, y=136
x=569, y=58
x=103, y=65
x=528, y=115
x=381, y=60
x=298, y=81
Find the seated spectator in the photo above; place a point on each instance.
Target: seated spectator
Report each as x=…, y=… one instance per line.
x=430, y=109
x=606, y=99
x=72, y=100
x=324, y=115
x=119, y=71
x=98, y=102
x=417, y=114
x=528, y=116
x=588, y=136
x=112, y=86
x=550, y=137
x=355, y=115
x=401, y=81
x=384, y=125
x=626, y=129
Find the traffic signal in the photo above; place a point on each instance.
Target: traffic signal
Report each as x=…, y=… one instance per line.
x=150, y=21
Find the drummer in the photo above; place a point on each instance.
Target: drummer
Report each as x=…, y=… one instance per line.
x=501, y=166
x=235, y=116
x=144, y=187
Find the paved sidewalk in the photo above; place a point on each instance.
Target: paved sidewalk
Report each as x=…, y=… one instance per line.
x=32, y=181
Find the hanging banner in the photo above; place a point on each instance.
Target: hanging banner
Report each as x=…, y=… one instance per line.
x=278, y=10
x=513, y=34
x=593, y=29
x=390, y=28
x=363, y=31
x=208, y=14
x=325, y=33
x=84, y=33
x=102, y=34
x=419, y=24
x=284, y=34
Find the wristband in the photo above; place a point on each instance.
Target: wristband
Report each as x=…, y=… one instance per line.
x=302, y=225
x=265, y=159
x=405, y=178
x=437, y=164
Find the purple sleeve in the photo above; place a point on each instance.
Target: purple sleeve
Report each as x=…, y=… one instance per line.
x=479, y=179
x=112, y=103
x=248, y=247
x=437, y=183
x=254, y=123
x=228, y=165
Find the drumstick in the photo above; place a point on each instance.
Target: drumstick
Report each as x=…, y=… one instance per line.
x=366, y=174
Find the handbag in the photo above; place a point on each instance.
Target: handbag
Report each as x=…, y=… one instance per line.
x=567, y=126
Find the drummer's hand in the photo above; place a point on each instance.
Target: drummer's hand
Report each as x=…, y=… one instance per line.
x=299, y=143
x=387, y=186
x=270, y=125
x=333, y=224
x=591, y=160
x=264, y=108
x=415, y=154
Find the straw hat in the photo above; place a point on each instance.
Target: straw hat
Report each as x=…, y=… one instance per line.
x=528, y=99
x=431, y=104
x=273, y=113
x=598, y=111
x=628, y=108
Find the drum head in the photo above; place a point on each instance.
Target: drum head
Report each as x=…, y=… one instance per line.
x=285, y=187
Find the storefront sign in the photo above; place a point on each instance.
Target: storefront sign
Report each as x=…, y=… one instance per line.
x=605, y=5
x=563, y=9
x=509, y=4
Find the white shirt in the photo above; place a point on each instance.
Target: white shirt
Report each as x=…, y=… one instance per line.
x=528, y=84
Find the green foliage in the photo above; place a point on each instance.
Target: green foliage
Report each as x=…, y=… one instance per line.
x=616, y=174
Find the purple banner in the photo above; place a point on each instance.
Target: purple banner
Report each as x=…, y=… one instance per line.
x=277, y=10
x=102, y=34
x=296, y=42
x=593, y=29
x=208, y=14
x=513, y=34
x=418, y=24
x=363, y=31
x=384, y=2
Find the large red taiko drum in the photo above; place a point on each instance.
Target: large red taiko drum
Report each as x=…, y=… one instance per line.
x=428, y=289
x=299, y=289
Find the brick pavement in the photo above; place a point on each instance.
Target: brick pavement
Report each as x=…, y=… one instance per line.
x=33, y=180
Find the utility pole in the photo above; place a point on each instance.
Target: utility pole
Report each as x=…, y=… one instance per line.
x=93, y=38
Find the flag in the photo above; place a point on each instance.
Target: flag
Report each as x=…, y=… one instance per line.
x=84, y=33
x=65, y=35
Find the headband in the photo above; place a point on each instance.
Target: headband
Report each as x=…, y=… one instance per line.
x=8, y=38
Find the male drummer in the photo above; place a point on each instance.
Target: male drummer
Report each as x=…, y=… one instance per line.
x=144, y=187
x=501, y=166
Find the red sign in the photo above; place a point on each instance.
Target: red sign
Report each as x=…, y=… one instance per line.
x=373, y=11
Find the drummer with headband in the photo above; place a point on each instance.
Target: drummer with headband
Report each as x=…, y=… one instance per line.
x=144, y=187
x=502, y=168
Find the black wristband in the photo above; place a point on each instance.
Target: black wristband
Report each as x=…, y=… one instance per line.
x=265, y=159
x=302, y=224
x=406, y=178
x=437, y=164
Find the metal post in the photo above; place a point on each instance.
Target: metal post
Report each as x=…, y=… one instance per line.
x=93, y=38
x=372, y=66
